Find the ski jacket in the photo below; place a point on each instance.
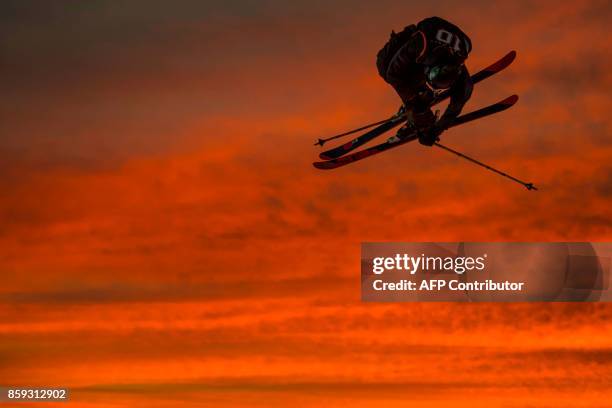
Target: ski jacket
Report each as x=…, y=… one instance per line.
x=402, y=63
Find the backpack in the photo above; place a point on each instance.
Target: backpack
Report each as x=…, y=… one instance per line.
x=396, y=41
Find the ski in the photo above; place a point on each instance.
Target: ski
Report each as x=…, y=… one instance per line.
x=321, y=142
x=362, y=139
x=398, y=119
x=389, y=144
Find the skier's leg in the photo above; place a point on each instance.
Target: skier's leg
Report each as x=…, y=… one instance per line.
x=418, y=112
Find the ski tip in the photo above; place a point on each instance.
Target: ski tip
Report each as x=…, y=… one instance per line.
x=323, y=165
x=501, y=64
x=530, y=186
x=511, y=100
x=319, y=142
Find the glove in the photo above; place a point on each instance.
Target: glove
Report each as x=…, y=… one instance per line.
x=421, y=120
x=429, y=136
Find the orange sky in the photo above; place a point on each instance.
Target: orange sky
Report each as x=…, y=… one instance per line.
x=166, y=241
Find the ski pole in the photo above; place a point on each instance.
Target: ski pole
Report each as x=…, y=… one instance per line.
x=320, y=142
x=528, y=186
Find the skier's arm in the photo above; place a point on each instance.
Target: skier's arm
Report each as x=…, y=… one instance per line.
x=460, y=94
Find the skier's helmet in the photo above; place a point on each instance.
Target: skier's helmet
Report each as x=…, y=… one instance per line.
x=443, y=69
x=442, y=76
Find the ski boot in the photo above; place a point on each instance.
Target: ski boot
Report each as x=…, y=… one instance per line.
x=417, y=122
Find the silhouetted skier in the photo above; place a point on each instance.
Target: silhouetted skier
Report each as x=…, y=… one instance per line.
x=421, y=61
